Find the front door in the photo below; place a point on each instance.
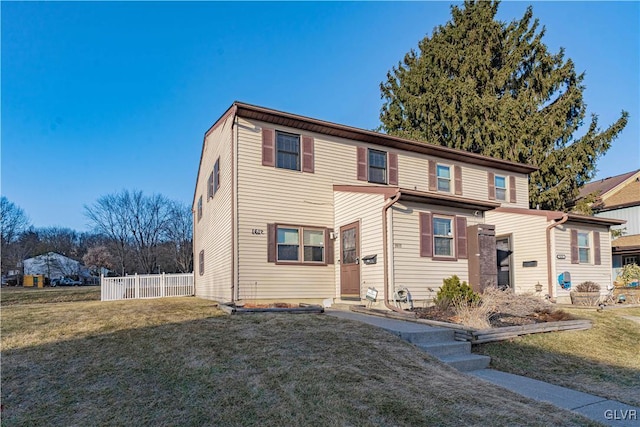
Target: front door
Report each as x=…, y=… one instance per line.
x=350, y=261
x=503, y=248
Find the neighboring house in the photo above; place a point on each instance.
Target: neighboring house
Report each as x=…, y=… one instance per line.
x=619, y=197
x=54, y=266
x=293, y=208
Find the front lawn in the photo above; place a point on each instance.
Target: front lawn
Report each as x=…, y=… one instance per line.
x=181, y=361
x=604, y=360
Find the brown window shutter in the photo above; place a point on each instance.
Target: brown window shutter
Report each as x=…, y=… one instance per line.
x=393, y=169
x=328, y=244
x=491, y=183
x=426, y=235
x=575, y=258
x=268, y=147
x=271, y=243
x=307, y=154
x=457, y=174
x=512, y=189
x=461, y=237
x=362, y=164
x=432, y=176
x=597, y=259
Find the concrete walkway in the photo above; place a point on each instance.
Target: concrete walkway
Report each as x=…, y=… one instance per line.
x=607, y=412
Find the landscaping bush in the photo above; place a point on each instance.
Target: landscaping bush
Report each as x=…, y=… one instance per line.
x=453, y=290
x=588, y=286
x=629, y=274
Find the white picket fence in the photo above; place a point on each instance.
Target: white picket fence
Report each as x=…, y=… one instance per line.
x=146, y=286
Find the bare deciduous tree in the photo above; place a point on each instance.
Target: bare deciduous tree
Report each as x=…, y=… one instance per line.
x=13, y=221
x=143, y=225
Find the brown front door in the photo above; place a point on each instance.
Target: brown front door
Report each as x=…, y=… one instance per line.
x=350, y=261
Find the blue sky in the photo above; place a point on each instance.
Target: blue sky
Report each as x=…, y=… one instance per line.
x=99, y=97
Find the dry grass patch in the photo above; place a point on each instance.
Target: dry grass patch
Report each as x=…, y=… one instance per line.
x=180, y=362
x=602, y=360
x=11, y=296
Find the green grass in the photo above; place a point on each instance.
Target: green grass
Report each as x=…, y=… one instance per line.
x=181, y=361
x=604, y=360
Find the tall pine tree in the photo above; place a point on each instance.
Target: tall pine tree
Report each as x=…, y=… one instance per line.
x=490, y=87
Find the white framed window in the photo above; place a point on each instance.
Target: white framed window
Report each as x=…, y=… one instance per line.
x=584, y=248
x=200, y=208
x=443, y=237
x=443, y=173
x=501, y=187
x=300, y=245
x=287, y=151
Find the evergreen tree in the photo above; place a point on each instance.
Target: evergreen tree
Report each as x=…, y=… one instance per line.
x=490, y=87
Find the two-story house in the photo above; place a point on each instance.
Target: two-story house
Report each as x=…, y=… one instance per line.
x=291, y=208
x=619, y=197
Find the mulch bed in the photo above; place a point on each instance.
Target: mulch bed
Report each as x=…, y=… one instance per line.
x=496, y=320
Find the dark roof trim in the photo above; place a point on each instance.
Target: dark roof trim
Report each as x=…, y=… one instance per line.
x=420, y=196
x=618, y=206
x=333, y=129
x=556, y=216
x=595, y=220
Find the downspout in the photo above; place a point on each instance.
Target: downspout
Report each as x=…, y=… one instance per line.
x=385, y=250
x=551, y=283
x=233, y=208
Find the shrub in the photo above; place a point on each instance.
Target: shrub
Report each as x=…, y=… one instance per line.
x=630, y=273
x=588, y=286
x=453, y=290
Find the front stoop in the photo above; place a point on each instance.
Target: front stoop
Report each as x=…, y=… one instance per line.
x=440, y=343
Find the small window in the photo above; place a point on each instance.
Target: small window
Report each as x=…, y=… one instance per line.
x=377, y=166
x=299, y=244
x=313, y=246
x=583, y=248
x=216, y=176
x=443, y=237
x=201, y=262
x=210, y=186
x=288, y=244
x=200, y=208
x=287, y=151
x=444, y=178
x=501, y=187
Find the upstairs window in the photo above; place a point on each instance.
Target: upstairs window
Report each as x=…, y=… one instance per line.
x=444, y=178
x=442, y=237
x=210, y=186
x=501, y=187
x=216, y=176
x=287, y=151
x=377, y=166
x=200, y=208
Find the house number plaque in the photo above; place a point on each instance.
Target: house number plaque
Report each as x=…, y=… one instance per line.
x=257, y=231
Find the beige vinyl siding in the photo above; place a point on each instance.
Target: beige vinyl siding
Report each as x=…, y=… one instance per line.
x=600, y=274
x=212, y=233
x=412, y=271
x=528, y=243
x=269, y=195
x=367, y=210
x=272, y=195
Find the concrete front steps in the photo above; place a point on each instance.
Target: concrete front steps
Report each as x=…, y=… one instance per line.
x=438, y=342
